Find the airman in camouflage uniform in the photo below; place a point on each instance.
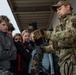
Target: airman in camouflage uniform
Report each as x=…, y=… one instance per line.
x=63, y=35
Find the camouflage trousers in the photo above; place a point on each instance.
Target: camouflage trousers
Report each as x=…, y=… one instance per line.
x=68, y=68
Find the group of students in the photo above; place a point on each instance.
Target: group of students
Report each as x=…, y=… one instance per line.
x=16, y=52
x=24, y=46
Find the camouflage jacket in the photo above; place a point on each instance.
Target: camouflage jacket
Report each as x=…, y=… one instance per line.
x=64, y=35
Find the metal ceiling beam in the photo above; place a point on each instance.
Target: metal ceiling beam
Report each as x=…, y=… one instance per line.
x=31, y=1
x=31, y=9
x=37, y=12
x=36, y=4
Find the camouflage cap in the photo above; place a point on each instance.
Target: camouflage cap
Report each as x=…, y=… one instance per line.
x=54, y=7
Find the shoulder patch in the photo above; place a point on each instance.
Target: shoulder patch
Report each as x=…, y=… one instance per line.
x=73, y=22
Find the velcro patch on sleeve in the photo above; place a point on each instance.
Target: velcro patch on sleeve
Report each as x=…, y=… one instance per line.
x=73, y=22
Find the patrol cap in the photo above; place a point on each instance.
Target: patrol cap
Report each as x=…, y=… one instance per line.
x=60, y=3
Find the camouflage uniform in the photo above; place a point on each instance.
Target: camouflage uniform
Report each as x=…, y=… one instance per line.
x=64, y=38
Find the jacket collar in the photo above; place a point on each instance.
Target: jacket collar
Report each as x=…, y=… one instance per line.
x=3, y=33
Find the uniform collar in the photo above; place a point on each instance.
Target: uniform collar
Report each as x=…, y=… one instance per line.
x=66, y=16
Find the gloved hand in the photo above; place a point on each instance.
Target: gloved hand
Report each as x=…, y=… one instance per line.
x=37, y=34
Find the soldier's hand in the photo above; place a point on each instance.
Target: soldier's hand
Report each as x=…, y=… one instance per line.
x=37, y=34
